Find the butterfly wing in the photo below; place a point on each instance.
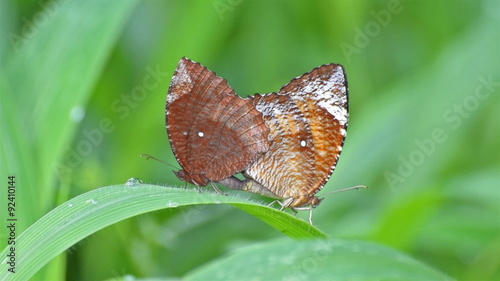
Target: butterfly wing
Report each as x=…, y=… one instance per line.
x=213, y=132
x=289, y=162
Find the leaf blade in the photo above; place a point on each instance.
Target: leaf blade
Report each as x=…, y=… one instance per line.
x=321, y=259
x=89, y=212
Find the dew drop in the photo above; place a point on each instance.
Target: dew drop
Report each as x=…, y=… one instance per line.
x=133, y=181
x=92, y=201
x=201, y=134
x=70, y=204
x=173, y=204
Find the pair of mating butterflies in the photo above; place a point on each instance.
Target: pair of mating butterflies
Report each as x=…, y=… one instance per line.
x=286, y=144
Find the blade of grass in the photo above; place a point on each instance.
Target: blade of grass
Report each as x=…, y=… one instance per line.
x=83, y=215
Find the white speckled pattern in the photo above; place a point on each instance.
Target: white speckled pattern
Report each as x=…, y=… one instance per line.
x=181, y=77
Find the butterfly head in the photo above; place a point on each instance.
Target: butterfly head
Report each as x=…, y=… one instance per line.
x=196, y=179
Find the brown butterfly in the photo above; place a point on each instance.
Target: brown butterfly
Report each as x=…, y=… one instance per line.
x=214, y=133
x=307, y=119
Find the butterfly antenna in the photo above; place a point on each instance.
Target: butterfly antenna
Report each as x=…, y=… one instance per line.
x=152, y=157
x=357, y=187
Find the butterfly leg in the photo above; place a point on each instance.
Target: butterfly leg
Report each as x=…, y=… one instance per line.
x=272, y=203
x=217, y=189
x=286, y=203
x=197, y=186
x=310, y=208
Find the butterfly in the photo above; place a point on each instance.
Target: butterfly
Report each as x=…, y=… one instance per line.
x=213, y=132
x=308, y=120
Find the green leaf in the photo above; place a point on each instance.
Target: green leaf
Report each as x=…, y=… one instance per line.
x=325, y=259
x=83, y=215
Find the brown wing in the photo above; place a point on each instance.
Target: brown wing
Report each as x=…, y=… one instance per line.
x=213, y=132
x=304, y=148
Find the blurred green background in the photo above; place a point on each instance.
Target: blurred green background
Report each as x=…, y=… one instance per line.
x=80, y=106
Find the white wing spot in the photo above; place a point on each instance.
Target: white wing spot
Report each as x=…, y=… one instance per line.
x=201, y=134
x=303, y=143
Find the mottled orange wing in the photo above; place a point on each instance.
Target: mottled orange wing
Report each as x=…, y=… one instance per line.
x=308, y=121
x=214, y=133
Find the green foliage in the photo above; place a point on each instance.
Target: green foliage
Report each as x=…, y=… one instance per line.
x=82, y=94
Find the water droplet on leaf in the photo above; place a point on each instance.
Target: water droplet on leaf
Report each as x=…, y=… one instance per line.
x=133, y=181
